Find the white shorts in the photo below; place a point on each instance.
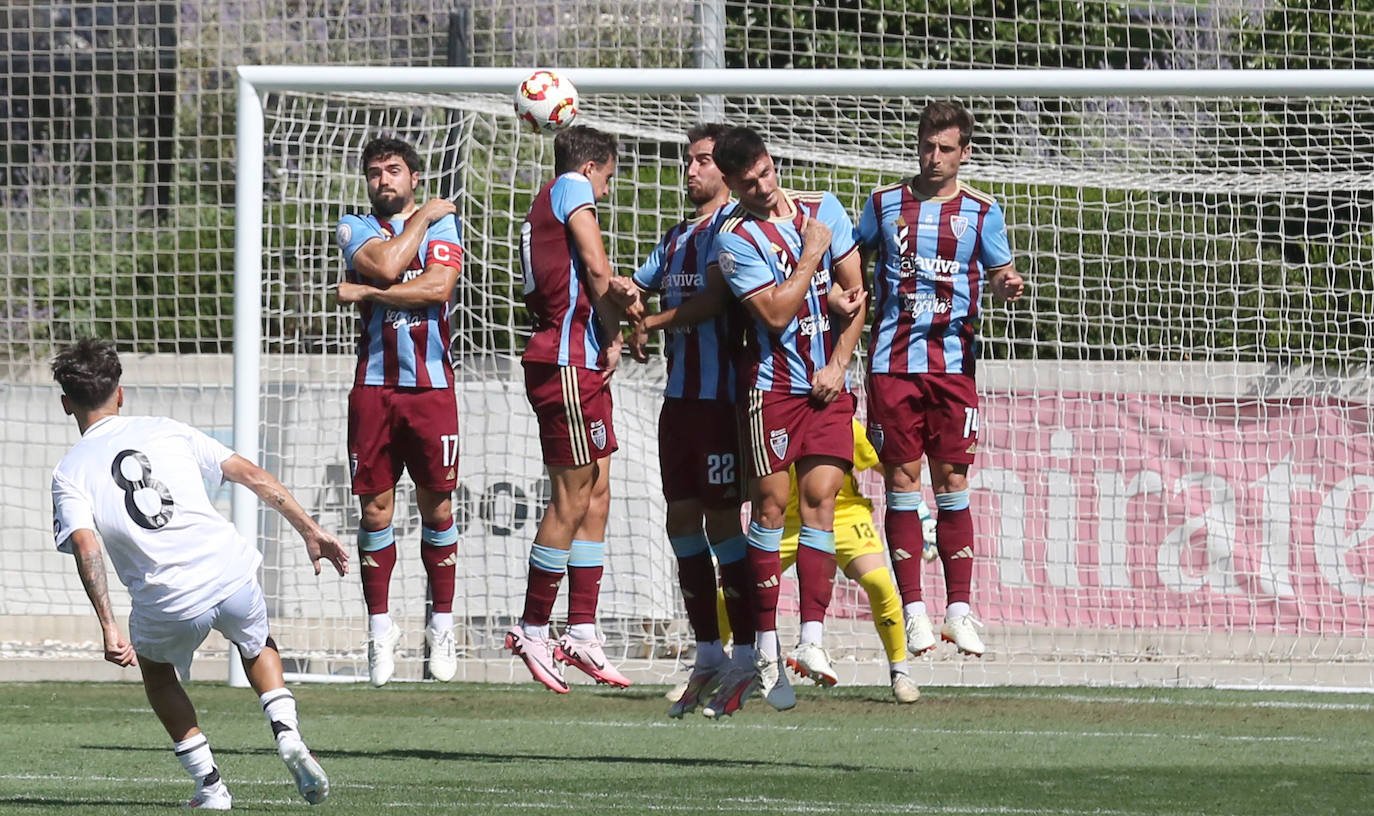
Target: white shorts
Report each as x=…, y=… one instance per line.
x=242, y=618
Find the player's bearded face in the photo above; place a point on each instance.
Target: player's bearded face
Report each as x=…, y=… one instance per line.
x=704, y=181
x=391, y=186
x=941, y=154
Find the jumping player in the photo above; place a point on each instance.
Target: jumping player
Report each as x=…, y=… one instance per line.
x=577, y=303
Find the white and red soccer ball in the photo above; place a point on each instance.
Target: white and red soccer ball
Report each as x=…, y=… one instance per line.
x=546, y=101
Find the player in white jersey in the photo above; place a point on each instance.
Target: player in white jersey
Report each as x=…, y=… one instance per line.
x=138, y=485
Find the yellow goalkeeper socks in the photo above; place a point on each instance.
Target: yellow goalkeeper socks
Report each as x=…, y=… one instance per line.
x=886, y=605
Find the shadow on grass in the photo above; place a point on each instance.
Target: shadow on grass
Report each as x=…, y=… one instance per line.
x=51, y=802
x=472, y=756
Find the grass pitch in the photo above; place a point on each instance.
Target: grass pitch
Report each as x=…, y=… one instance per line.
x=489, y=749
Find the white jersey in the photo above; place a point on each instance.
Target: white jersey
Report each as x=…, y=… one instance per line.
x=140, y=483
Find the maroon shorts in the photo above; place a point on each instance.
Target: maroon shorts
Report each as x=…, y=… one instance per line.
x=698, y=451
x=395, y=429
x=911, y=415
x=574, y=409
x=778, y=429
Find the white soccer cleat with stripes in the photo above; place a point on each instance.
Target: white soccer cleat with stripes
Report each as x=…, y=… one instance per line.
x=310, y=778
x=810, y=660
x=443, y=653
x=381, y=656
x=211, y=797
x=920, y=635
x=961, y=631
x=773, y=683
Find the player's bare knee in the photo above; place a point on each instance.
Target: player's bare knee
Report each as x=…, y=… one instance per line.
x=722, y=523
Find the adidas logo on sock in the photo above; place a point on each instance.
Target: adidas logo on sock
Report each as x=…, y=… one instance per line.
x=965, y=552
x=369, y=561
x=450, y=561
x=771, y=582
x=899, y=554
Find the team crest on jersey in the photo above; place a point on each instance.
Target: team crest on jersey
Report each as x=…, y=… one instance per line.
x=875, y=436
x=598, y=429
x=777, y=440
x=343, y=235
x=959, y=225
x=726, y=260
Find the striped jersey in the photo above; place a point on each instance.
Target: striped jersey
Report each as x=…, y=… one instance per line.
x=929, y=259
x=700, y=358
x=566, y=331
x=403, y=348
x=756, y=253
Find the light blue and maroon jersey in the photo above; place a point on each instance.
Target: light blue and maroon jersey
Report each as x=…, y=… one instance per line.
x=557, y=293
x=700, y=358
x=403, y=348
x=929, y=259
x=757, y=253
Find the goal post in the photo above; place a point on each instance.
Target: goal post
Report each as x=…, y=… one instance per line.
x=1174, y=487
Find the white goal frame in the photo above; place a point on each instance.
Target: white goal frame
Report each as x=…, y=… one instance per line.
x=255, y=81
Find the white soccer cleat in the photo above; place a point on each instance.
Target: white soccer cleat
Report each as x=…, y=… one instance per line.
x=538, y=656
x=960, y=631
x=698, y=688
x=381, y=656
x=773, y=683
x=310, y=779
x=810, y=660
x=734, y=686
x=589, y=657
x=929, y=551
x=211, y=797
x=920, y=635
x=443, y=653
x=904, y=689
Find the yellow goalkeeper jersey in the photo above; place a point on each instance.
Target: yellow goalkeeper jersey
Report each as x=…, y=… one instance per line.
x=851, y=507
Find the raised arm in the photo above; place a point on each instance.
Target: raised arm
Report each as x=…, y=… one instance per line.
x=90, y=566
x=318, y=543
x=586, y=239
x=386, y=261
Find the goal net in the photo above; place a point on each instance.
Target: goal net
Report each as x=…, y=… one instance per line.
x=1174, y=483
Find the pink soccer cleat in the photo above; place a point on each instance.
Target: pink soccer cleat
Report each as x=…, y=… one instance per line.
x=538, y=658
x=590, y=658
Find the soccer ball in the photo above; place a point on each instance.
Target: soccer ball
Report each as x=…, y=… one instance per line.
x=546, y=101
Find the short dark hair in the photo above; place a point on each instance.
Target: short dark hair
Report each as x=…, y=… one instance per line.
x=88, y=371
x=943, y=114
x=575, y=146
x=708, y=130
x=737, y=149
x=383, y=146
